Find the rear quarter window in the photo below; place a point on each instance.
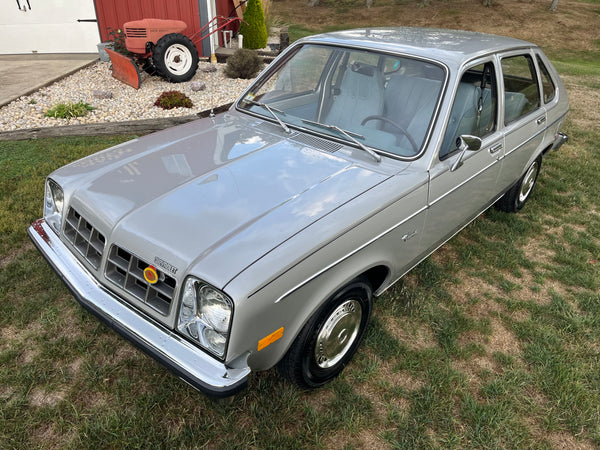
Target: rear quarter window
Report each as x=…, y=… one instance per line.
x=548, y=87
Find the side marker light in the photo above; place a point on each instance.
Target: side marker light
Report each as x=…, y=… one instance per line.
x=268, y=340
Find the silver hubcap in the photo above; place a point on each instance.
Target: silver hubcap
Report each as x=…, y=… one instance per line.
x=528, y=182
x=178, y=59
x=338, y=334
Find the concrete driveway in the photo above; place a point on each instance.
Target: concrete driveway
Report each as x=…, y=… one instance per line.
x=24, y=74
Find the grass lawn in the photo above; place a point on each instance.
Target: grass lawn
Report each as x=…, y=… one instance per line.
x=493, y=341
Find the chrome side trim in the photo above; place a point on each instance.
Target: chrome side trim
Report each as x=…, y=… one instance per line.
x=495, y=161
x=353, y=252
x=437, y=246
x=186, y=360
x=525, y=142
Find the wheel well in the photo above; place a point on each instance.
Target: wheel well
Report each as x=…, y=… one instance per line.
x=546, y=150
x=376, y=276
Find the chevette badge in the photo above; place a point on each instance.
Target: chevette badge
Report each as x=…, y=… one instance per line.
x=150, y=275
x=167, y=267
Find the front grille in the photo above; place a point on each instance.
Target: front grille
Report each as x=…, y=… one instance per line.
x=127, y=272
x=135, y=32
x=84, y=237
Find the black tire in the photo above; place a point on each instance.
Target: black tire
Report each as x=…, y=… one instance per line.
x=175, y=58
x=314, y=357
x=515, y=198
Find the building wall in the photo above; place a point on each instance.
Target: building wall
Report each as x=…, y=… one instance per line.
x=48, y=26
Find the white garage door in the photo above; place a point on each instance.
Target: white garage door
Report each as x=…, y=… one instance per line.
x=48, y=26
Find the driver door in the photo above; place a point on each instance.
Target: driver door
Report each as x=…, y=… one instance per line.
x=458, y=196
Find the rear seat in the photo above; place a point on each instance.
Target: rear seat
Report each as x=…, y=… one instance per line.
x=514, y=102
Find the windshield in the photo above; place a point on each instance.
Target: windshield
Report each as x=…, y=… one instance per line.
x=383, y=101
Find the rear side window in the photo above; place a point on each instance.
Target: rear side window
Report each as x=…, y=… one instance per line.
x=548, y=87
x=521, y=92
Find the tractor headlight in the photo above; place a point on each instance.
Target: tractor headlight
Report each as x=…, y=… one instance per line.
x=205, y=315
x=53, y=205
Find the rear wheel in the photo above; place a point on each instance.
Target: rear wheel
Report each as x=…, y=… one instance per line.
x=516, y=197
x=330, y=338
x=175, y=58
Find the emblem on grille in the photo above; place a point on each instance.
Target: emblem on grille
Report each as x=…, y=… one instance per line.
x=150, y=275
x=165, y=265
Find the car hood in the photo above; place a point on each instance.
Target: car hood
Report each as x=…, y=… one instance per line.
x=214, y=196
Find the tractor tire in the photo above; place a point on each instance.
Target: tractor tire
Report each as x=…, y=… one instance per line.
x=175, y=58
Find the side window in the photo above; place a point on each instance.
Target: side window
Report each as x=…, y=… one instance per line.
x=548, y=87
x=521, y=93
x=474, y=108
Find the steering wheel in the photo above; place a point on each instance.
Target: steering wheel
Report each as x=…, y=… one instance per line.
x=395, y=125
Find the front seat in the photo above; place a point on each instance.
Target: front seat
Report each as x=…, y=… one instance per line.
x=359, y=95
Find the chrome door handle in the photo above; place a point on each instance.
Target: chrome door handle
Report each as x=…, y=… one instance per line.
x=541, y=120
x=494, y=148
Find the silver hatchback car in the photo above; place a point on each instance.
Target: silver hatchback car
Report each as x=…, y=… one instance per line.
x=260, y=237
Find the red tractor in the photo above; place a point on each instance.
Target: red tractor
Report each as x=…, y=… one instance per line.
x=160, y=47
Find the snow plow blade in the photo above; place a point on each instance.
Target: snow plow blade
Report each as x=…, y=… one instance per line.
x=124, y=69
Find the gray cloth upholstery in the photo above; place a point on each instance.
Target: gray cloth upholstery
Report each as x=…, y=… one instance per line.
x=409, y=102
x=463, y=118
x=360, y=95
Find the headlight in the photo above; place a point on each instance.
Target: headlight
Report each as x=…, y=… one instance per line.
x=53, y=205
x=205, y=315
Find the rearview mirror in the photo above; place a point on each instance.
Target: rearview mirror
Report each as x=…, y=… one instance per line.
x=465, y=142
x=472, y=142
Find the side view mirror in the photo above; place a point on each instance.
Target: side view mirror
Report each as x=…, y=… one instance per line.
x=465, y=142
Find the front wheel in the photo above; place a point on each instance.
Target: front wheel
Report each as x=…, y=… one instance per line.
x=330, y=338
x=175, y=58
x=517, y=195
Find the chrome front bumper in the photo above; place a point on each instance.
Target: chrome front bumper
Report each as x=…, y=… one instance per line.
x=186, y=360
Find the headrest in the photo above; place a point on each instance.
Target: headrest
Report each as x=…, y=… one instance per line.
x=362, y=68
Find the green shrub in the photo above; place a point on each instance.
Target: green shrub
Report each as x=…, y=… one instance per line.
x=68, y=110
x=244, y=63
x=254, y=29
x=173, y=99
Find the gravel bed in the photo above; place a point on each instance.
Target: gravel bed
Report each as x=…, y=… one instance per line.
x=126, y=103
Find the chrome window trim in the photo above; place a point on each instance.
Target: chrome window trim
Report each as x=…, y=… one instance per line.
x=434, y=116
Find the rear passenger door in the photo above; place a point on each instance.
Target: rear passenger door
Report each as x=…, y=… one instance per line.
x=522, y=115
x=456, y=197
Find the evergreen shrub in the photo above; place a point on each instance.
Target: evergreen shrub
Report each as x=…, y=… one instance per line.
x=254, y=29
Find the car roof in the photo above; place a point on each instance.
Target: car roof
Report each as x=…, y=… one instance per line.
x=452, y=47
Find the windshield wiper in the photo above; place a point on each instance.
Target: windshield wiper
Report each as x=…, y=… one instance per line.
x=349, y=134
x=272, y=111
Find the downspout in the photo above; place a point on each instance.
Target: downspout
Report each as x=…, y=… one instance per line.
x=212, y=12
